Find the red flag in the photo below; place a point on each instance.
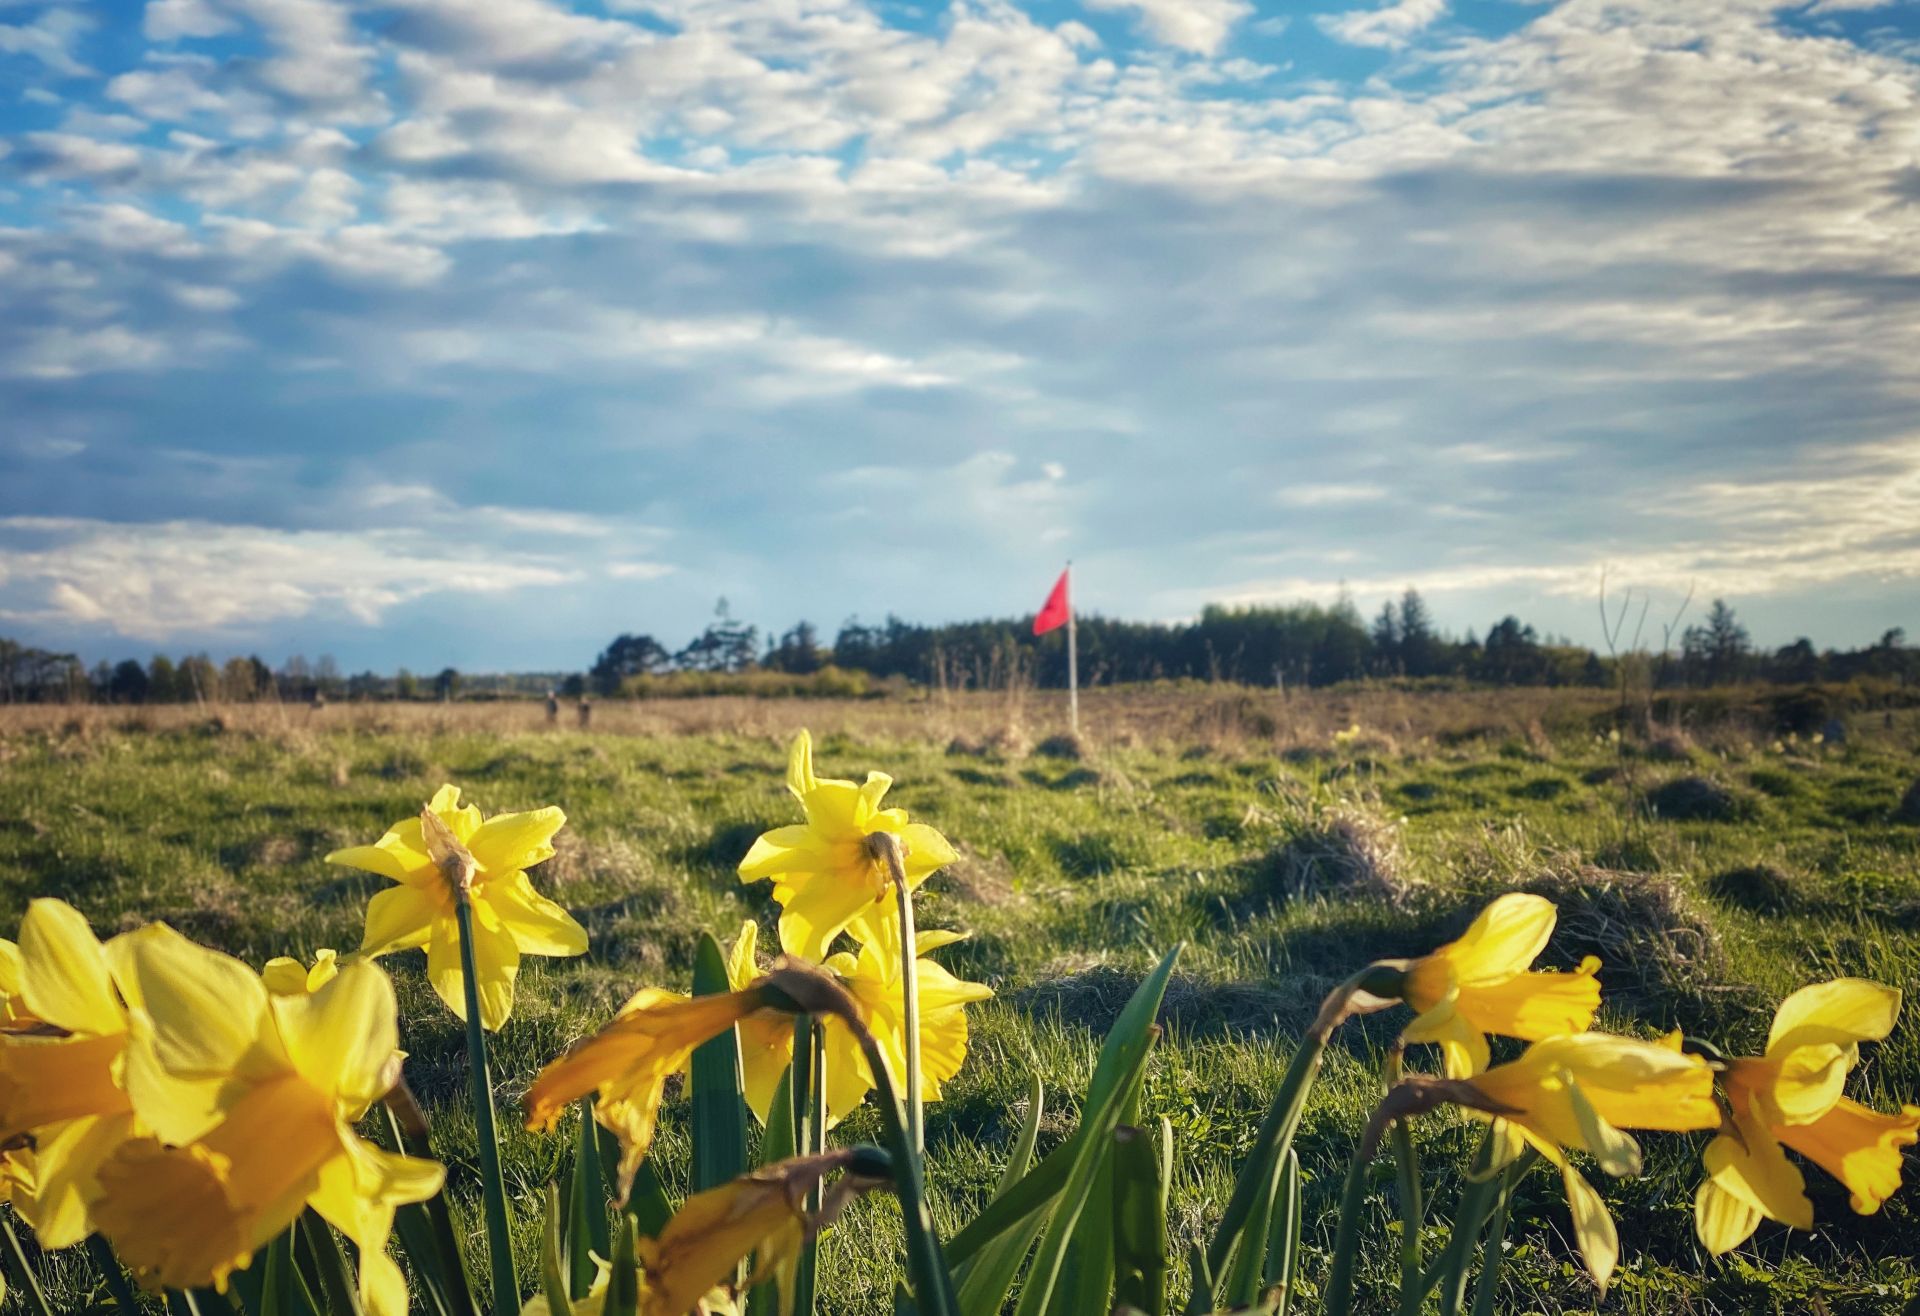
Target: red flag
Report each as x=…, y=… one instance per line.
x=1054, y=612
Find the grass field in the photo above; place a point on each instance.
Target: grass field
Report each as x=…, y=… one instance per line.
x=1283, y=855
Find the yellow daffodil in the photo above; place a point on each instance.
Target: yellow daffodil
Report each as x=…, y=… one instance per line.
x=766, y=1037
x=761, y=1214
x=1577, y=1093
x=510, y=918
x=628, y=1062
x=688, y=1269
x=252, y=1098
x=286, y=976
x=1793, y=1096
x=873, y=978
x=60, y=1084
x=825, y=875
x=1482, y=984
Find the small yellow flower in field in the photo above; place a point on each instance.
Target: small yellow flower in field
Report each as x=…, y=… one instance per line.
x=825, y=876
x=1792, y=1095
x=252, y=1099
x=873, y=978
x=766, y=1037
x=286, y=976
x=510, y=918
x=1576, y=1093
x=60, y=1075
x=627, y=1064
x=1481, y=984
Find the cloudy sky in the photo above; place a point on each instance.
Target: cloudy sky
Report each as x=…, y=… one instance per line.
x=428, y=331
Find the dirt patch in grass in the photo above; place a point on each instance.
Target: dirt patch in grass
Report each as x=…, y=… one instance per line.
x=981, y=879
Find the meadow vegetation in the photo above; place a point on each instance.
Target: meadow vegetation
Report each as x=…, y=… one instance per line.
x=1714, y=867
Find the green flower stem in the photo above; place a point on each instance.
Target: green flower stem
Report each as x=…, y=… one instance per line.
x=36, y=1299
x=113, y=1272
x=933, y=1291
x=888, y=847
x=1494, y=1253
x=1353, y=1200
x=1275, y=1137
x=408, y=1124
x=808, y=1086
x=910, y=1015
x=1469, y=1220
x=506, y=1285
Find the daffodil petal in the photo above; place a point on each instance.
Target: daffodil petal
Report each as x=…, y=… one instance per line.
x=511, y=842
x=1749, y=1164
x=1858, y=1146
x=203, y=1022
x=538, y=925
x=344, y=1038
x=1617, y=1153
x=927, y=850
x=1842, y=1012
x=800, y=778
x=741, y=968
x=63, y=972
x=1505, y=939
x=66, y=1176
x=401, y=918
x=1593, y=1228
x=384, y=859
x=782, y=851
x=1721, y=1220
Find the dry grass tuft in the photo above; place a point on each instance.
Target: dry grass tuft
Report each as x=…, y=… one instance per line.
x=1698, y=799
x=1909, y=808
x=1669, y=745
x=1340, y=850
x=1062, y=746
x=1656, y=945
x=1758, y=889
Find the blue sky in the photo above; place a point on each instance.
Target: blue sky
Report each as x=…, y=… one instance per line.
x=433, y=332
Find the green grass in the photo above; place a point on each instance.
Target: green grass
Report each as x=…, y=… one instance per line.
x=1077, y=874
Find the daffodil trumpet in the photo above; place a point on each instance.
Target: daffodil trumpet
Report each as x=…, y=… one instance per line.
x=457, y=869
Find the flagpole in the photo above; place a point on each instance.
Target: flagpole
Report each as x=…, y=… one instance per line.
x=1073, y=660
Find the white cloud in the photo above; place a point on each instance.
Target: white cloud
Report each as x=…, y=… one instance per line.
x=157, y=580
x=1391, y=26
x=1329, y=495
x=50, y=38
x=1200, y=26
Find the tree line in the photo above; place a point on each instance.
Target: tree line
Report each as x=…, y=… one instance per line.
x=1300, y=644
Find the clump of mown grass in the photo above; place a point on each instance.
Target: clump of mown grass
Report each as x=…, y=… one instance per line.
x=1758, y=889
x=1908, y=810
x=1344, y=850
x=1699, y=799
x=1659, y=951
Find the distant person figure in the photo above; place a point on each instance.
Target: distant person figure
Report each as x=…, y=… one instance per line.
x=586, y=712
x=553, y=709
x=316, y=702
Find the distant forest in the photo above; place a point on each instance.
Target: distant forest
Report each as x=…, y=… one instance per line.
x=1302, y=644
